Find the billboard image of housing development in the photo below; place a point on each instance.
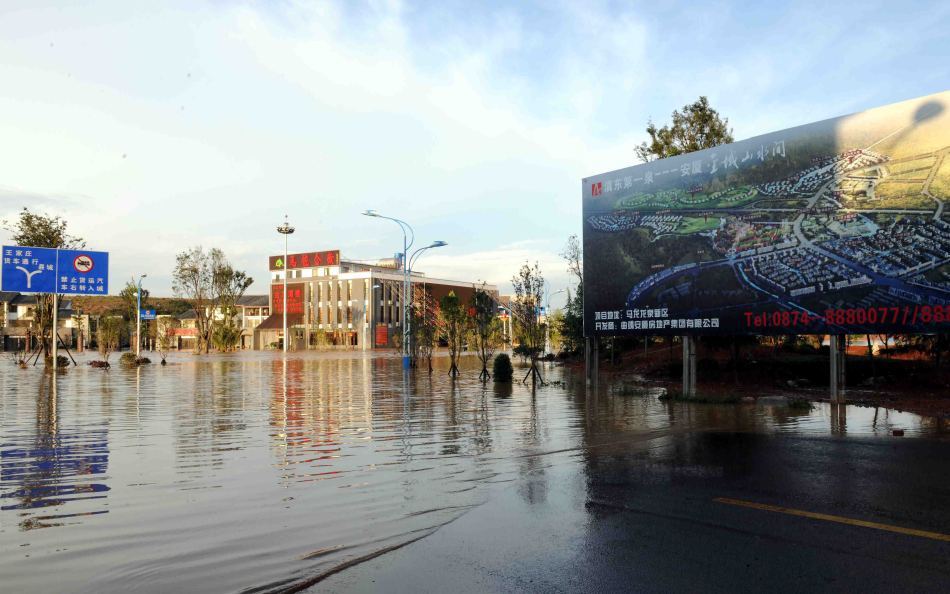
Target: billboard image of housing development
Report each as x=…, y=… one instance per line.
x=838, y=226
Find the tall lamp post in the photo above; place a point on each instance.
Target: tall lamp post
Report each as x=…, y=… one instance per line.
x=547, y=320
x=138, y=316
x=408, y=237
x=415, y=256
x=285, y=230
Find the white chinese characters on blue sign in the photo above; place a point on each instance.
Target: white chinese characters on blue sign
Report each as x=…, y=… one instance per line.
x=49, y=270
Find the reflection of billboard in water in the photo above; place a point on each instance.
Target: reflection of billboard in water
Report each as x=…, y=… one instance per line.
x=837, y=226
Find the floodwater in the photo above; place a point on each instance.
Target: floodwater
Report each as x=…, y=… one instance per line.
x=248, y=472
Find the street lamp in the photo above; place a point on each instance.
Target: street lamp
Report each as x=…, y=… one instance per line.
x=413, y=258
x=408, y=237
x=138, y=316
x=547, y=320
x=285, y=230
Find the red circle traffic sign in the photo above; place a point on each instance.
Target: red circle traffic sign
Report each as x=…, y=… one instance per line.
x=83, y=263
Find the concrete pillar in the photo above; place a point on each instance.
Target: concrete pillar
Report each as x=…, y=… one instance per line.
x=591, y=358
x=837, y=383
x=689, y=366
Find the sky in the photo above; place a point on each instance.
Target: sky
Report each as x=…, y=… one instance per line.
x=153, y=127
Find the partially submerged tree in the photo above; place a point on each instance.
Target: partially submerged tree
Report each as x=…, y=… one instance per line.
x=40, y=230
x=109, y=333
x=131, y=303
x=529, y=293
x=455, y=324
x=425, y=326
x=572, y=326
x=698, y=126
x=207, y=281
x=487, y=328
x=165, y=335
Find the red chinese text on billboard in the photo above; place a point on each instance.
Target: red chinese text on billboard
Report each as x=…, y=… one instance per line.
x=295, y=298
x=305, y=260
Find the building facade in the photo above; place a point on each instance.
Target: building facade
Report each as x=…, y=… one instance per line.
x=333, y=302
x=19, y=327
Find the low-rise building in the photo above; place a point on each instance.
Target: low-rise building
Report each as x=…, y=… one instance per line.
x=19, y=328
x=334, y=302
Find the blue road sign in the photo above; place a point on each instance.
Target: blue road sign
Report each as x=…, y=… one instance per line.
x=83, y=272
x=148, y=314
x=49, y=270
x=29, y=269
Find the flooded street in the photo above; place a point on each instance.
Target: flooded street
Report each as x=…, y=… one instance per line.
x=242, y=472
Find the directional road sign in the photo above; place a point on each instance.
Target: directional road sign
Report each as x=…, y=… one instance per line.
x=49, y=270
x=29, y=269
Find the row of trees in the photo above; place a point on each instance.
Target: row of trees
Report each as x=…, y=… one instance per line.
x=212, y=286
x=476, y=323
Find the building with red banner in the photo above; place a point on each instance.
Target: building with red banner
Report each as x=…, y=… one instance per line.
x=335, y=302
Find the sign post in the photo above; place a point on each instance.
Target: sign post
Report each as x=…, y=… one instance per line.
x=27, y=269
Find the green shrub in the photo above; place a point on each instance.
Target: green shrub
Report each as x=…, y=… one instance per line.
x=61, y=361
x=502, y=370
x=128, y=360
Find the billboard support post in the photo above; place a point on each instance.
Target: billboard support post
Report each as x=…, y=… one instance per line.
x=591, y=358
x=837, y=369
x=689, y=366
x=55, y=333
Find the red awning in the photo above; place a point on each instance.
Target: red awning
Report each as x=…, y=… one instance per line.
x=276, y=321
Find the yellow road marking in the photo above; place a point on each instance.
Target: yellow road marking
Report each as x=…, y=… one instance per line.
x=831, y=518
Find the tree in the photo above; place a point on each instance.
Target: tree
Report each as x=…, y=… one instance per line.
x=207, y=281
x=225, y=336
x=230, y=287
x=698, y=126
x=455, y=323
x=110, y=330
x=130, y=300
x=425, y=326
x=39, y=230
x=487, y=328
x=572, y=326
x=556, y=321
x=529, y=292
x=79, y=322
x=165, y=335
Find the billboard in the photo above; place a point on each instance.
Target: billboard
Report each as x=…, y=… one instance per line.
x=838, y=226
x=305, y=260
x=295, y=298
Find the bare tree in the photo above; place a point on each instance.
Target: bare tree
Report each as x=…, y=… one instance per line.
x=529, y=293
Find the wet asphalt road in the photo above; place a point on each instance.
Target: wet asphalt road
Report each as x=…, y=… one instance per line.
x=642, y=515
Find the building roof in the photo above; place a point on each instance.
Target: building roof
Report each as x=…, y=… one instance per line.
x=276, y=321
x=7, y=296
x=187, y=315
x=254, y=301
x=24, y=299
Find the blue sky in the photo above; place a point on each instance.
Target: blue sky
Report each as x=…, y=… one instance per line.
x=157, y=126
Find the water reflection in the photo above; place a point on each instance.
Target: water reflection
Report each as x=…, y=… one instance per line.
x=228, y=472
x=54, y=467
